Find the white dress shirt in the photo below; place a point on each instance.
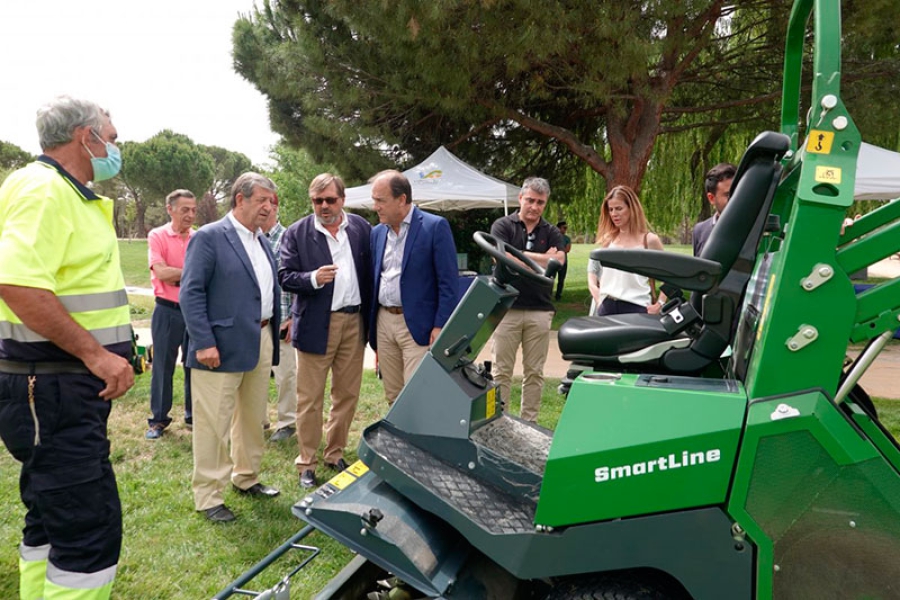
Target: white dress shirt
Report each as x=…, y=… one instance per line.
x=392, y=263
x=346, y=287
x=261, y=266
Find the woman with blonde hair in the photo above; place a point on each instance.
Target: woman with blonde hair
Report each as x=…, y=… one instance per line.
x=622, y=225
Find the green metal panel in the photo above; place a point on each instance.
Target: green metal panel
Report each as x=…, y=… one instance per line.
x=621, y=449
x=805, y=476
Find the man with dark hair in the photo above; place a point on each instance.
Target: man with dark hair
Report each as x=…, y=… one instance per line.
x=527, y=323
x=325, y=260
x=717, y=187
x=229, y=297
x=561, y=274
x=166, y=247
x=416, y=278
x=65, y=345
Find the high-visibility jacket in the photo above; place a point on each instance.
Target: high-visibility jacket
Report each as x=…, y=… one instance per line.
x=57, y=235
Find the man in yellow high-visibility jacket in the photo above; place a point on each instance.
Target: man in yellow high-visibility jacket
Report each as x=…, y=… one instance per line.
x=65, y=348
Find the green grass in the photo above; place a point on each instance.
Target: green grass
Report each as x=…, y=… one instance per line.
x=133, y=256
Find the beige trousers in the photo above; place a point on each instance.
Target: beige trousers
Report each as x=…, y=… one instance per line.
x=286, y=384
x=344, y=358
x=531, y=329
x=229, y=407
x=398, y=353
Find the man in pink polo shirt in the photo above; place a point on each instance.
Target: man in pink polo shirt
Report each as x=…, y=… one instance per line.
x=166, y=248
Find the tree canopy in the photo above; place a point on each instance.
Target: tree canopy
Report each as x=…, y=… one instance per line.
x=165, y=162
x=519, y=88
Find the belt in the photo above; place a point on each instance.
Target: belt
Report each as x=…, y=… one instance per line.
x=15, y=367
x=169, y=303
x=348, y=309
x=263, y=323
x=394, y=310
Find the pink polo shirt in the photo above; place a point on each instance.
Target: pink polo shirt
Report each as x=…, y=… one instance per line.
x=166, y=246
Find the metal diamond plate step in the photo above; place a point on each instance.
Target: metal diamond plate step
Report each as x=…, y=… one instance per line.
x=491, y=509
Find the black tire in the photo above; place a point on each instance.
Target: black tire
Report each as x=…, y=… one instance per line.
x=862, y=399
x=638, y=585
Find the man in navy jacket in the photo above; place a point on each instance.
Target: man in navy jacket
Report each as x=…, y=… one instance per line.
x=229, y=298
x=416, y=278
x=326, y=262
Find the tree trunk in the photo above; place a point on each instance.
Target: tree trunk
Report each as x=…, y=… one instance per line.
x=140, y=209
x=632, y=129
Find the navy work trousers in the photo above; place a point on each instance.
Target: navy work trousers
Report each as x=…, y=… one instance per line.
x=169, y=334
x=67, y=482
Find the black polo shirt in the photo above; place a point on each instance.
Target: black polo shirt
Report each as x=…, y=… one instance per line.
x=510, y=229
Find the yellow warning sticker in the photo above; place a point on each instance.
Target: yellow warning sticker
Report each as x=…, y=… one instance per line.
x=491, y=403
x=358, y=468
x=819, y=142
x=828, y=175
x=342, y=480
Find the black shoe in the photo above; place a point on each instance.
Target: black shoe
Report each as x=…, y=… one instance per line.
x=258, y=489
x=308, y=479
x=189, y=423
x=339, y=466
x=219, y=514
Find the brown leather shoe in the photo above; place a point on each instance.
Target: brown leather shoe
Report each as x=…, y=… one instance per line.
x=219, y=514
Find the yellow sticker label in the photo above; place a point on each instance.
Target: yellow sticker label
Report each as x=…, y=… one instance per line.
x=491, y=403
x=358, y=468
x=819, y=142
x=342, y=480
x=828, y=175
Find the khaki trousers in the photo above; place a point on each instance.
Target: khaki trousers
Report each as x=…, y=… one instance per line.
x=286, y=384
x=229, y=406
x=344, y=358
x=398, y=353
x=531, y=329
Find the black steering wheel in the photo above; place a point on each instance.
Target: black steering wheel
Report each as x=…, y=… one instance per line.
x=500, y=251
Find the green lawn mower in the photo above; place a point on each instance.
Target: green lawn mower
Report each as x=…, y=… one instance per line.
x=721, y=450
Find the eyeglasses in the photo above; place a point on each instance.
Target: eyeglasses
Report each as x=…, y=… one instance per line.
x=529, y=243
x=319, y=200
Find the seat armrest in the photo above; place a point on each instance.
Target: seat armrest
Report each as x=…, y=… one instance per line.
x=689, y=272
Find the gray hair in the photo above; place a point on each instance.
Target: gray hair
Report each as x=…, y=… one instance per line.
x=538, y=185
x=58, y=119
x=245, y=184
x=172, y=198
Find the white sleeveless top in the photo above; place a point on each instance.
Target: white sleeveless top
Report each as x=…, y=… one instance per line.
x=621, y=285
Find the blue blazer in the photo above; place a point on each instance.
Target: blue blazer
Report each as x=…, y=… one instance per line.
x=220, y=299
x=428, y=279
x=303, y=250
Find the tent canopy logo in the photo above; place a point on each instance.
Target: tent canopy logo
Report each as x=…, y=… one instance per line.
x=430, y=173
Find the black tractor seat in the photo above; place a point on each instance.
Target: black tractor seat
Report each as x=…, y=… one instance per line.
x=609, y=338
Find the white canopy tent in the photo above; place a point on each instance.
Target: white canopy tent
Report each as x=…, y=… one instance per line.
x=877, y=174
x=443, y=182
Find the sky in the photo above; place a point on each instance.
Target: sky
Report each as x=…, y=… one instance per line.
x=157, y=65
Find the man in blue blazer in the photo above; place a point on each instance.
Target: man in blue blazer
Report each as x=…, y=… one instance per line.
x=229, y=298
x=326, y=262
x=416, y=278
x=717, y=187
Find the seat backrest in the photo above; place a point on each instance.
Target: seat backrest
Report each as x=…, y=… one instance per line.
x=733, y=243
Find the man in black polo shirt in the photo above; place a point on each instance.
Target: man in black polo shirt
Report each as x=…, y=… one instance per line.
x=528, y=321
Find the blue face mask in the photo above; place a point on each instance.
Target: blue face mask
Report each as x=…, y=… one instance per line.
x=108, y=166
